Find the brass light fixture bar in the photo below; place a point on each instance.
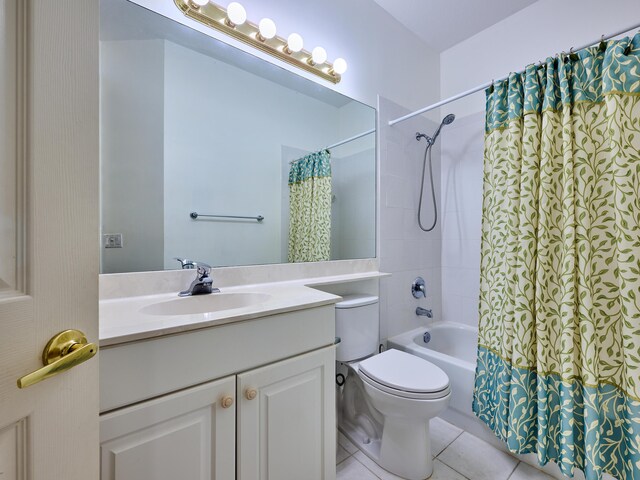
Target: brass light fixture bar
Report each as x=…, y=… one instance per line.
x=214, y=16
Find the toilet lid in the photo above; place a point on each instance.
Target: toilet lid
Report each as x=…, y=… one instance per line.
x=403, y=371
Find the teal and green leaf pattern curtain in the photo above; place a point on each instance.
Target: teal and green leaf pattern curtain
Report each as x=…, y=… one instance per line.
x=558, y=370
x=310, y=208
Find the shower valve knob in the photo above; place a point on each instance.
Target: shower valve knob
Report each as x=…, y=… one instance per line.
x=418, y=289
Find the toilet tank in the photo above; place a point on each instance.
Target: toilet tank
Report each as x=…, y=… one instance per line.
x=357, y=325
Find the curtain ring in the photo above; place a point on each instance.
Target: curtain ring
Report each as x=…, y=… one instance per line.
x=603, y=44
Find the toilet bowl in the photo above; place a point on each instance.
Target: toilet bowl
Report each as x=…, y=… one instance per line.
x=388, y=398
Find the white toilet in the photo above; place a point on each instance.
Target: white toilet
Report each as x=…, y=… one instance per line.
x=387, y=399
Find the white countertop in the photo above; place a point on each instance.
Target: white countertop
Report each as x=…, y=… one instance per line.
x=122, y=319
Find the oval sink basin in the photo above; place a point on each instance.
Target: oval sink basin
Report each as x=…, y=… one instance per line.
x=213, y=302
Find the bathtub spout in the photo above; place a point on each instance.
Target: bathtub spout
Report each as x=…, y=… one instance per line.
x=423, y=312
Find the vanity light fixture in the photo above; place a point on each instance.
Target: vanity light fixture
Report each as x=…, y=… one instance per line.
x=266, y=30
x=339, y=66
x=233, y=21
x=236, y=15
x=294, y=44
x=318, y=56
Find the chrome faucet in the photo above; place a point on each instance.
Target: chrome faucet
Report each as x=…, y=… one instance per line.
x=202, y=284
x=185, y=263
x=423, y=312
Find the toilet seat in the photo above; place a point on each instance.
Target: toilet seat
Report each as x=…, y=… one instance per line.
x=404, y=375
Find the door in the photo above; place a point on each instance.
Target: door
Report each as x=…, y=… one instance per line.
x=48, y=233
x=286, y=419
x=190, y=434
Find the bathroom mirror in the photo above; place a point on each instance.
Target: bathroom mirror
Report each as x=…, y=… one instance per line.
x=191, y=124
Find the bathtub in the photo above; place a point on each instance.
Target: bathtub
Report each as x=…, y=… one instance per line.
x=452, y=348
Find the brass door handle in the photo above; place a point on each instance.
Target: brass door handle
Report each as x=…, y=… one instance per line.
x=64, y=351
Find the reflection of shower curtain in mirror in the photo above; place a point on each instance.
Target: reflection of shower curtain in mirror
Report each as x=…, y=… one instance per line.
x=310, y=208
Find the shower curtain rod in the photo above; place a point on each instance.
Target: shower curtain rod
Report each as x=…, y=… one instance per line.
x=350, y=139
x=488, y=84
x=342, y=142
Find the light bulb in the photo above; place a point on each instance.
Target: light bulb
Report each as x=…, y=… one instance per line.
x=294, y=43
x=236, y=13
x=319, y=55
x=340, y=66
x=200, y=3
x=267, y=28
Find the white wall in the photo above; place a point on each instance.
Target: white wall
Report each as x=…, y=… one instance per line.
x=405, y=251
x=461, y=207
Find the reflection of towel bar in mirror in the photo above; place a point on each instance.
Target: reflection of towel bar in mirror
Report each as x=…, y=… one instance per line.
x=195, y=216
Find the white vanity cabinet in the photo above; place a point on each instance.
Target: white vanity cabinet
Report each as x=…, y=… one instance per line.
x=185, y=435
x=286, y=419
x=252, y=400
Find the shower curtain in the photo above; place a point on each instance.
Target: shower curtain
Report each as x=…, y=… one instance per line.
x=310, y=208
x=558, y=370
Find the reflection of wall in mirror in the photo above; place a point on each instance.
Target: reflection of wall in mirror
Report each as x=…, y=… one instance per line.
x=231, y=160
x=354, y=186
x=212, y=136
x=132, y=153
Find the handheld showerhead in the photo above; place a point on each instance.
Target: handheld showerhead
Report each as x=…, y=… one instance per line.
x=448, y=120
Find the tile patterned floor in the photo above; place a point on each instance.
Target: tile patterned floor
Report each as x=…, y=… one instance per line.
x=458, y=456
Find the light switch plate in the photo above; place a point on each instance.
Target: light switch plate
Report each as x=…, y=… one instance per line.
x=112, y=240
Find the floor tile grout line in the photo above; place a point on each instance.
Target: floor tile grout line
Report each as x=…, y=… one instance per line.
x=445, y=463
x=449, y=444
x=514, y=469
x=345, y=458
x=372, y=472
x=452, y=468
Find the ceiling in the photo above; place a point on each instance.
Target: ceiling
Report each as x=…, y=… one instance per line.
x=444, y=23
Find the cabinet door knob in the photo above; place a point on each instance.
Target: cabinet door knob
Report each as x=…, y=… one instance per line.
x=250, y=393
x=226, y=401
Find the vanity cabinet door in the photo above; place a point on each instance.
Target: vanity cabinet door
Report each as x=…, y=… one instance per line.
x=185, y=435
x=286, y=419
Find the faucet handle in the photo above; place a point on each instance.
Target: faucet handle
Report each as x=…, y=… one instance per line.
x=418, y=289
x=203, y=269
x=185, y=262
